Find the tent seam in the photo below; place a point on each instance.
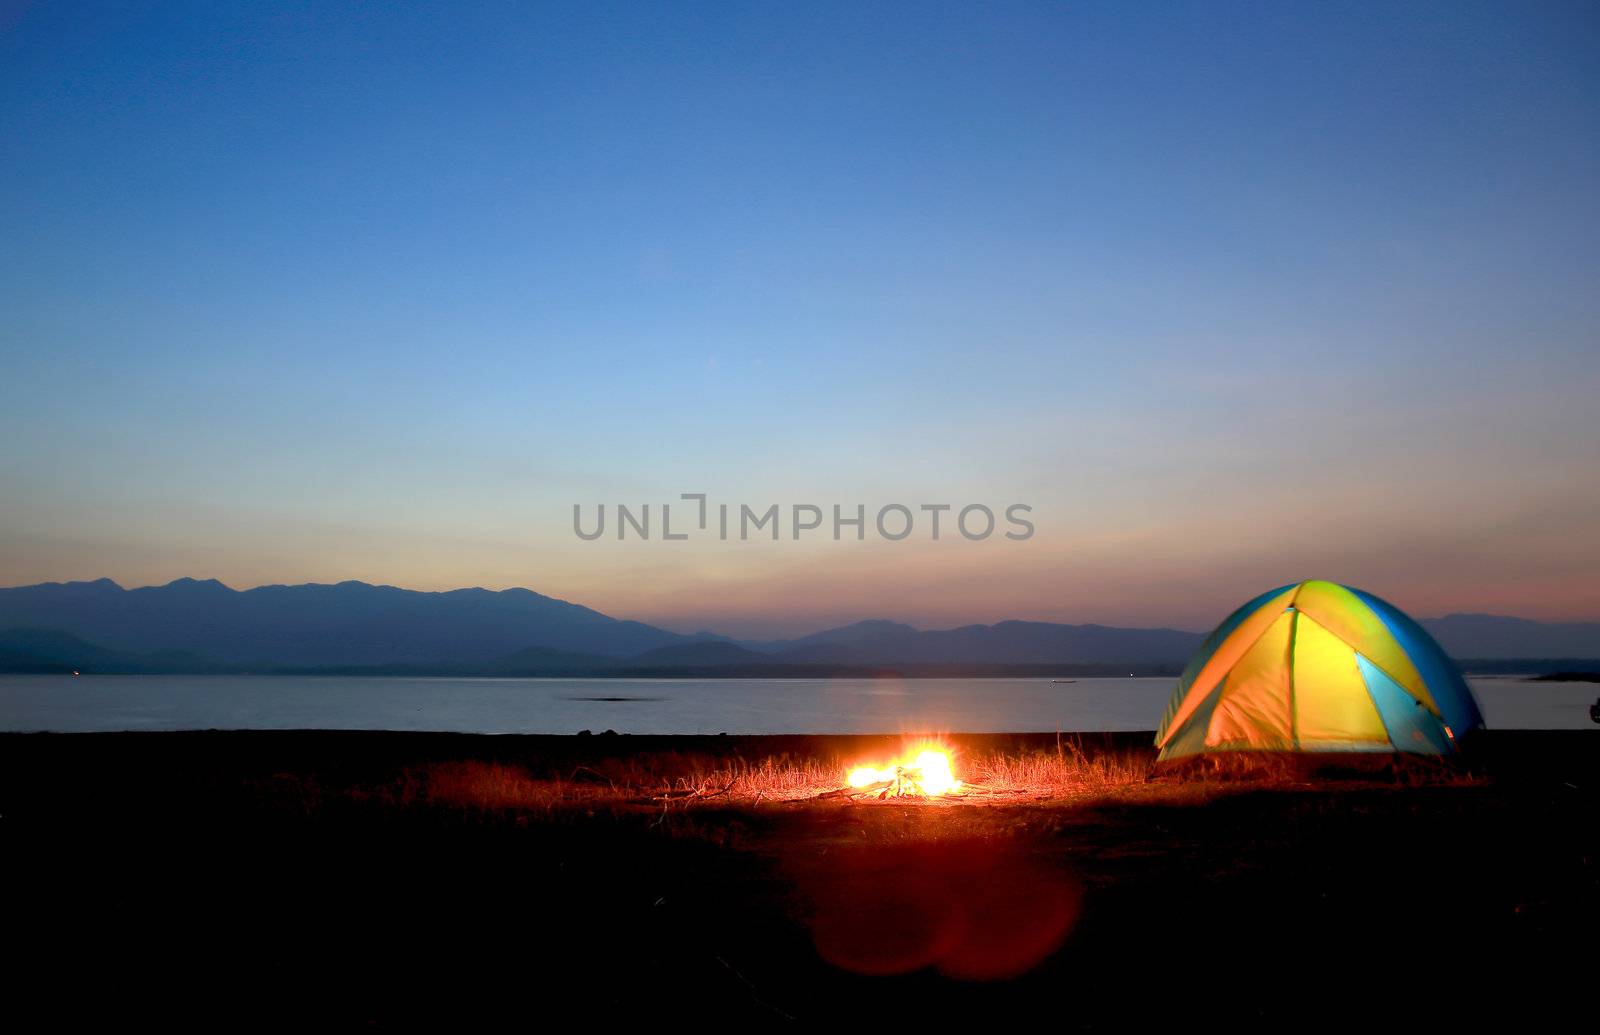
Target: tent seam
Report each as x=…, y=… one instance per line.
x=1294, y=711
x=1432, y=707
x=1368, y=688
x=1173, y=732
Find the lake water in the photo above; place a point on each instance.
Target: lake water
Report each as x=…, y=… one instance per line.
x=95, y=703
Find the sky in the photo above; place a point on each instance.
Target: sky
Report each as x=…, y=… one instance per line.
x=1228, y=294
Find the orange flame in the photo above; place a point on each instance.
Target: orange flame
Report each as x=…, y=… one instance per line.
x=928, y=774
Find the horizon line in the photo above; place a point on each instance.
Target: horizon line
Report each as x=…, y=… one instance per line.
x=189, y=579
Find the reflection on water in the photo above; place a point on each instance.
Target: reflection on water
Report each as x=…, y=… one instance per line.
x=86, y=703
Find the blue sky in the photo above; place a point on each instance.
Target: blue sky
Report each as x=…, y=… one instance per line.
x=1227, y=292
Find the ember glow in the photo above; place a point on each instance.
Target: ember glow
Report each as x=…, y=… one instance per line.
x=926, y=774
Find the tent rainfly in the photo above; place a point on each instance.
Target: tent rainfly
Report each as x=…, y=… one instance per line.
x=1316, y=666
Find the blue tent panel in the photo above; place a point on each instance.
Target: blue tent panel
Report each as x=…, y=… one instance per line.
x=1444, y=682
x=1411, y=726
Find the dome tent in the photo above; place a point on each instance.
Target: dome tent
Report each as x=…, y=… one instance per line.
x=1316, y=666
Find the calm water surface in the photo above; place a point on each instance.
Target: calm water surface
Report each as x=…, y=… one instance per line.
x=94, y=703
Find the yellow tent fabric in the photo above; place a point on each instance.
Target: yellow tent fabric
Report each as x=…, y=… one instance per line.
x=1316, y=666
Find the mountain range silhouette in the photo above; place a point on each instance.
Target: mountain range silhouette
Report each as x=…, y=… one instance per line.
x=201, y=625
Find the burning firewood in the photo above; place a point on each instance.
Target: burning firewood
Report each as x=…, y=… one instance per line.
x=926, y=776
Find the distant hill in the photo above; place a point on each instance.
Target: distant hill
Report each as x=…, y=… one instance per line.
x=40, y=650
x=698, y=655
x=876, y=629
x=351, y=623
x=1499, y=636
x=352, y=627
x=1012, y=643
x=1486, y=638
x=45, y=651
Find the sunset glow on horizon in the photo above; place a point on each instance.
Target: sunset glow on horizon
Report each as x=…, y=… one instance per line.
x=1228, y=299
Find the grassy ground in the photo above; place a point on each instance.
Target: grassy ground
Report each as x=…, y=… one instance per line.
x=277, y=878
x=1061, y=773
x=1060, y=770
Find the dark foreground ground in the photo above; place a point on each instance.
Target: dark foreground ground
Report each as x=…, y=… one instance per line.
x=297, y=880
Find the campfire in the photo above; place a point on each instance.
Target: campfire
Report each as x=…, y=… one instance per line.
x=926, y=775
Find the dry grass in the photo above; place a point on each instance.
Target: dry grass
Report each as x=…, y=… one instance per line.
x=486, y=785
x=1067, y=773
x=685, y=779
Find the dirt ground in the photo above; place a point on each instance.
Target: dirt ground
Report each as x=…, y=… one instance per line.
x=259, y=879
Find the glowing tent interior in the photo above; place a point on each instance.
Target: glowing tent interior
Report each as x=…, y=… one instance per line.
x=1316, y=666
